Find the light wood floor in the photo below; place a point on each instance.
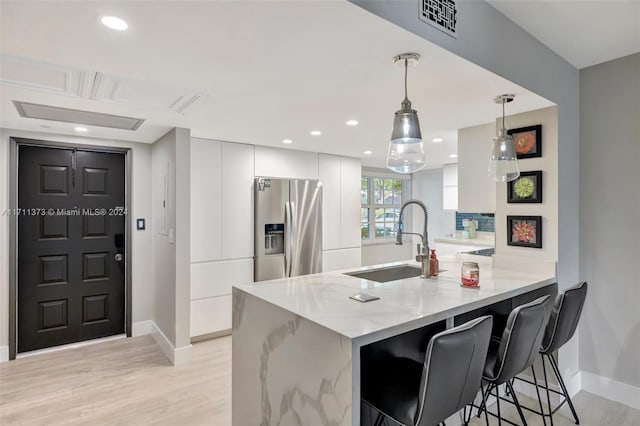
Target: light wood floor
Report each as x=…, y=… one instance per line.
x=130, y=382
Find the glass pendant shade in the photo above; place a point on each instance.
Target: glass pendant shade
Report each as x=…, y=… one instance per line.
x=503, y=166
x=406, y=152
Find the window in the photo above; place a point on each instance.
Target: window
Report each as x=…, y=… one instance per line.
x=381, y=199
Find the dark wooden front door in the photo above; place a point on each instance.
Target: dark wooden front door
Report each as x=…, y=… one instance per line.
x=71, y=245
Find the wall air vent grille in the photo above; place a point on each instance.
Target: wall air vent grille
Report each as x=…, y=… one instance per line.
x=441, y=14
x=66, y=115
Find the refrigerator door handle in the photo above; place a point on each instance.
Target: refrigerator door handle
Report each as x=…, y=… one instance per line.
x=287, y=239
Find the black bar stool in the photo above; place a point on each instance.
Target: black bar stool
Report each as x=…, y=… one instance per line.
x=516, y=351
x=562, y=325
x=425, y=394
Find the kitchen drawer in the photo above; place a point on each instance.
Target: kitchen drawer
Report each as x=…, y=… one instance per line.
x=210, y=315
x=211, y=279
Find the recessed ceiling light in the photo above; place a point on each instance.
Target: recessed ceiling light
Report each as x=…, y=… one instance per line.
x=316, y=133
x=287, y=141
x=437, y=140
x=352, y=122
x=114, y=23
x=80, y=129
x=368, y=152
x=453, y=155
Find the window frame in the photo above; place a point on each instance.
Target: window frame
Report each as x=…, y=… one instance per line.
x=372, y=237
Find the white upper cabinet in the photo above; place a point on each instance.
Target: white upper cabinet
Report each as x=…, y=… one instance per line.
x=450, y=187
x=237, y=200
x=285, y=163
x=350, y=176
x=329, y=170
x=221, y=200
x=340, y=178
x=476, y=191
x=206, y=193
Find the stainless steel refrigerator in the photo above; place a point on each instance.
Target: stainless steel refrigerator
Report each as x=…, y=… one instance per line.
x=288, y=234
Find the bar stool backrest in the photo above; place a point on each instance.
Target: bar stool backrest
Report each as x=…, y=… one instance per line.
x=564, y=318
x=521, y=338
x=452, y=370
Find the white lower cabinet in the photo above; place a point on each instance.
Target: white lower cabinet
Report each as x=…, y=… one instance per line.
x=210, y=315
x=211, y=288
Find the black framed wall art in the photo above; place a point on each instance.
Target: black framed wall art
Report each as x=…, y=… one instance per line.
x=524, y=231
x=527, y=141
x=526, y=189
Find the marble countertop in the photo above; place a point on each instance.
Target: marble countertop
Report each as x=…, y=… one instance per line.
x=404, y=304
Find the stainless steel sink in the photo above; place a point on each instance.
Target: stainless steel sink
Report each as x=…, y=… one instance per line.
x=391, y=273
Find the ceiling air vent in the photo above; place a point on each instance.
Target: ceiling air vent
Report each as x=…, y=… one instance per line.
x=441, y=14
x=53, y=113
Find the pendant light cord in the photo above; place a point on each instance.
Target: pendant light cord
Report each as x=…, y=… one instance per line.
x=406, y=66
x=503, y=102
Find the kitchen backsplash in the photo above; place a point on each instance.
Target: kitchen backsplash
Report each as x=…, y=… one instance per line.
x=486, y=221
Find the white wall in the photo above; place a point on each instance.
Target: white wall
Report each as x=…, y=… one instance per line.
x=609, y=218
x=171, y=241
x=163, y=222
x=142, y=287
x=548, y=209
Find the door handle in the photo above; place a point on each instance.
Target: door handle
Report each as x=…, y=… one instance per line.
x=118, y=257
x=288, y=223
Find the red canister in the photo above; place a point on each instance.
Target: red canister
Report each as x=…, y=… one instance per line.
x=470, y=274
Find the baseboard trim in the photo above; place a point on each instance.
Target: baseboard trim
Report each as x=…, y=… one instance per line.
x=141, y=328
x=209, y=336
x=177, y=356
x=611, y=389
x=182, y=355
x=4, y=353
x=162, y=341
x=573, y=382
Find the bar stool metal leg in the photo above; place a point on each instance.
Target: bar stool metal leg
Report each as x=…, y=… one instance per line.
x=556, y=370
x=498, y=403
x=535, y=380
x=516, y=403
x=484, y=404
x=546, y=386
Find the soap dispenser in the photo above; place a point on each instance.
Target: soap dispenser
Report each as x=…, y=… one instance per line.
x=433, y=264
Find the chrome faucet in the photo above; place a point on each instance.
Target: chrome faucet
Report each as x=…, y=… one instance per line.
x=423, y=252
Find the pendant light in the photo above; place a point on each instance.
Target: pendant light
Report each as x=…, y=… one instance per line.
x=503, y=166
x=406, y=153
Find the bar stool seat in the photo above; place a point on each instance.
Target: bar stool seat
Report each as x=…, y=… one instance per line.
x=560, y=329
x=516, y=351
x=425, y=394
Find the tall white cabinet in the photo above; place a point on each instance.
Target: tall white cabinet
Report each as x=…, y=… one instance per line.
x=221, y=230
x=341, y=241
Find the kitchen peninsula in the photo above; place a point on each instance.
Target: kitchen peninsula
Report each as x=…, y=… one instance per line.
x=297, y=342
